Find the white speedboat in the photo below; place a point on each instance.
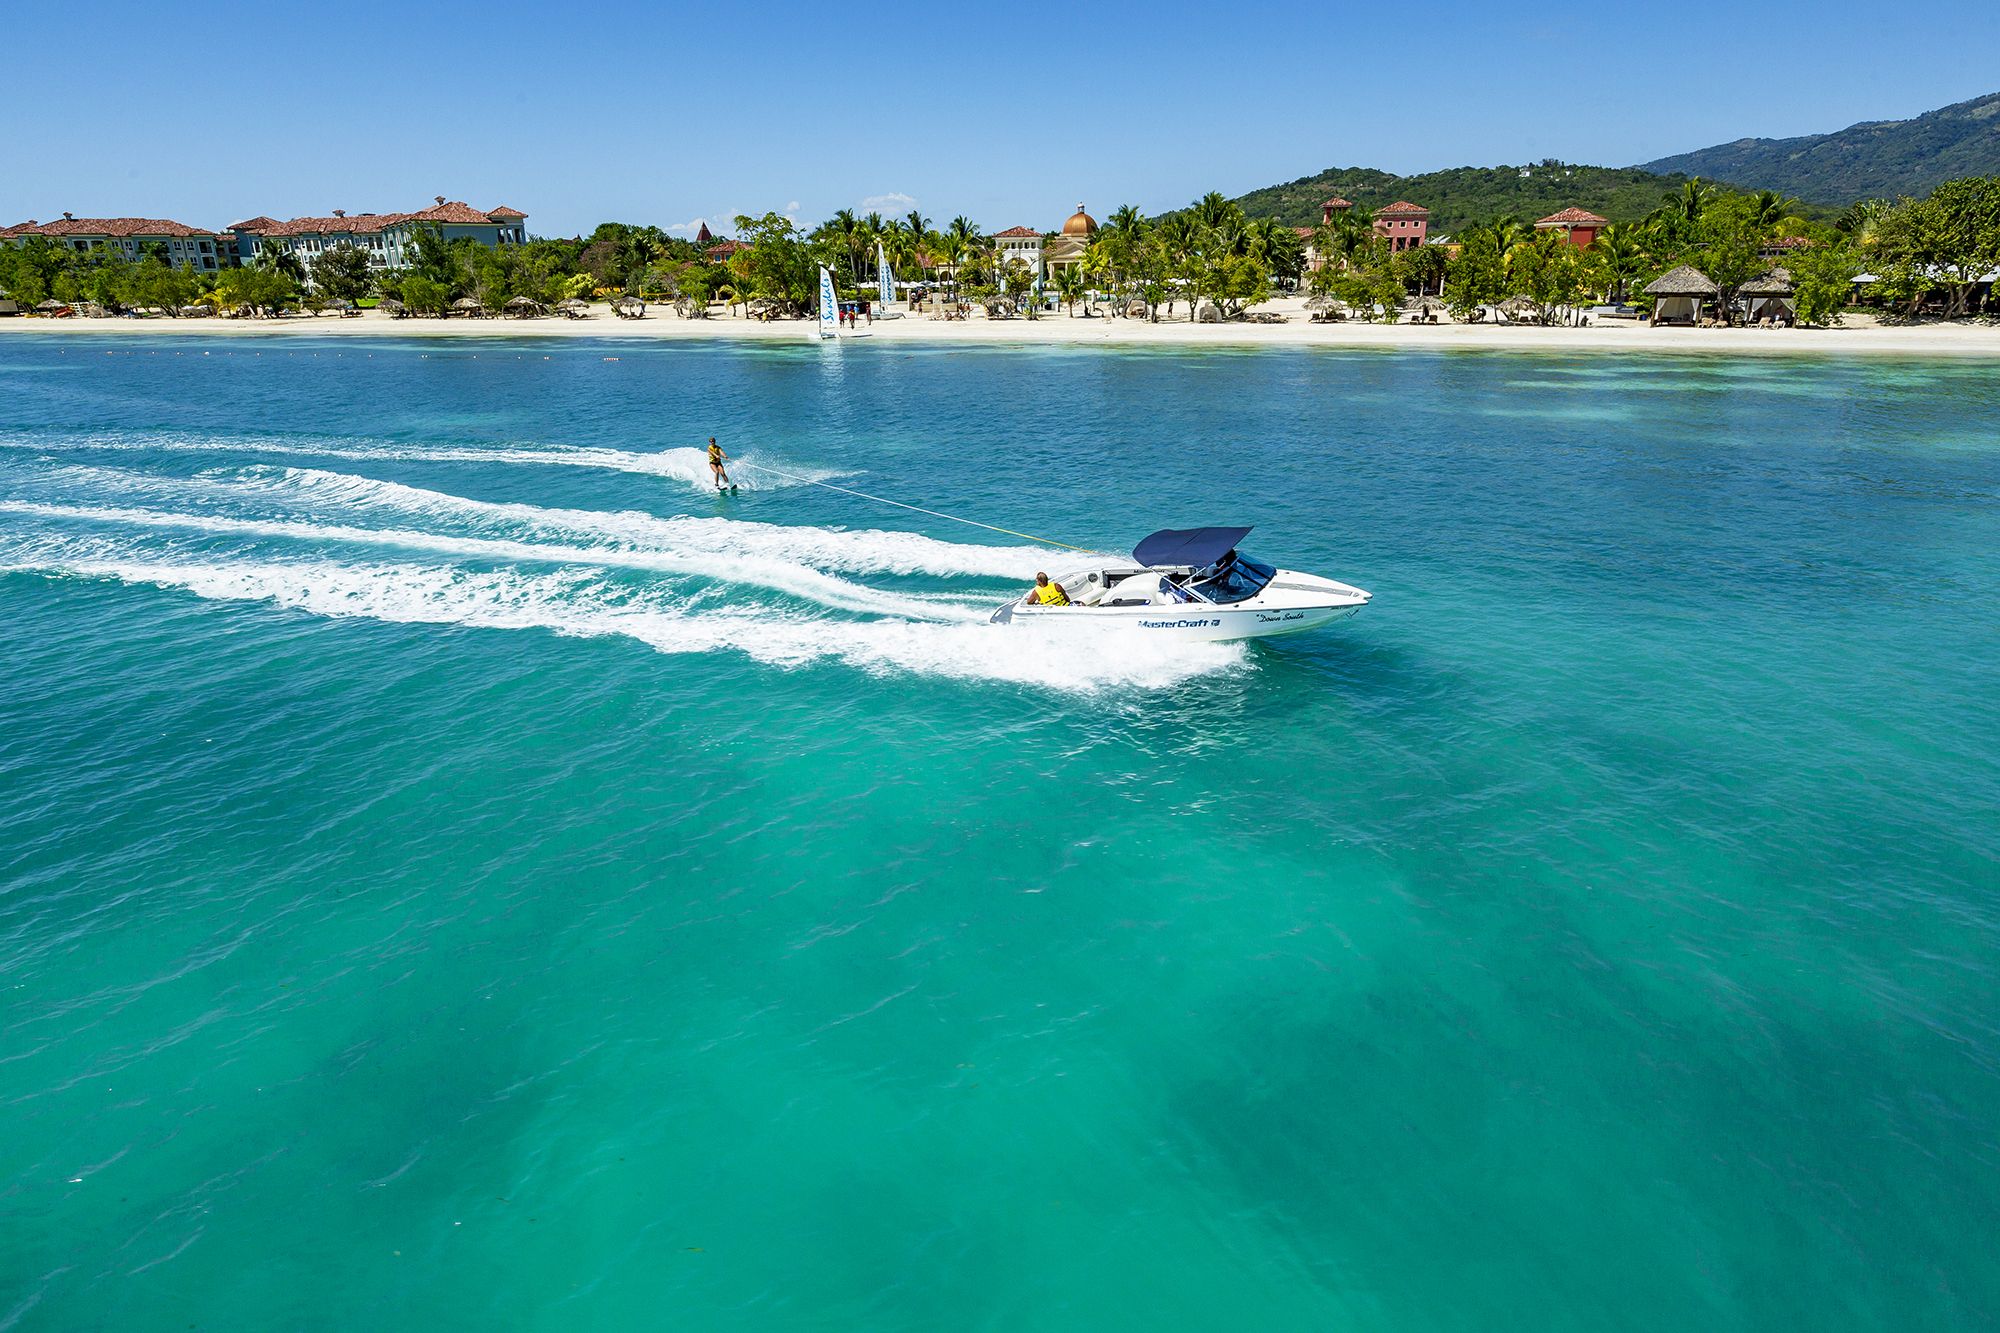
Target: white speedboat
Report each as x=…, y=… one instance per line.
x=1191, y=584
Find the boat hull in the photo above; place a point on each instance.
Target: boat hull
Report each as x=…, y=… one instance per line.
x=1293, y=602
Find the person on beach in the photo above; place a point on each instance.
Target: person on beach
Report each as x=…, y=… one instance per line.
x=715, y=457
x=1045, y=593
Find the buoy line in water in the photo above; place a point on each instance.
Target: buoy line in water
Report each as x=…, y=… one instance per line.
x=918, y=509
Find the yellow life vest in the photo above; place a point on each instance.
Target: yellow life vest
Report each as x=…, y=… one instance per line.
x=715, y=453
x=1052, y=595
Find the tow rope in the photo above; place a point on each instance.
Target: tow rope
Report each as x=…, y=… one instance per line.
x=918, y=509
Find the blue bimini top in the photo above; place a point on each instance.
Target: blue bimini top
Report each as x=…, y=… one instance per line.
x=1192, y=547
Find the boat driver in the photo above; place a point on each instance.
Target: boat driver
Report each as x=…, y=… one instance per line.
x=1046, y=593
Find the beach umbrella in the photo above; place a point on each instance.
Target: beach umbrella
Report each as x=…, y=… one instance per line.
x=466, y=304
x=50, y=304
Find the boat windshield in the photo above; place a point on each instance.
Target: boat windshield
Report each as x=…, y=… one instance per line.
x=1239, y=580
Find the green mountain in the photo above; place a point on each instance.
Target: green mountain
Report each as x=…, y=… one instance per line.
x=1877, y=159
x=1463, y=195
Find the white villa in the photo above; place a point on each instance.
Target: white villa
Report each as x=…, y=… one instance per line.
x=1018, y=243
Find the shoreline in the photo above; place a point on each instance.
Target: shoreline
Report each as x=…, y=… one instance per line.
x=1870, y=339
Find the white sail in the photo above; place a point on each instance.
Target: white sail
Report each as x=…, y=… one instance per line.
x=829, y=306
x=884, y=279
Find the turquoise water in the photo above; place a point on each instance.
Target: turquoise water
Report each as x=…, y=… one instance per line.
x=455, y=872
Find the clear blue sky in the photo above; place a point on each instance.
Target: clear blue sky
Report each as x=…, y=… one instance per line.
x=1009, y=113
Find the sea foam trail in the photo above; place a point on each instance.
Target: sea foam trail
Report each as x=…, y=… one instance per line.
x=853, y=551
x=577, y=603
x=683, y=465
x=757, y=571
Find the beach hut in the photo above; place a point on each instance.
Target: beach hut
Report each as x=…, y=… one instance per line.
x=629, y=307
x=1768, y=299
x=1678, y=295
x=468, y=307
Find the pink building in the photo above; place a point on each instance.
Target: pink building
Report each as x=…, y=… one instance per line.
x=1403, y=224
x=1579, y=226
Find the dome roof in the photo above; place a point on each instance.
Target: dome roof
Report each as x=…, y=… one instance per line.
x=1080, y=224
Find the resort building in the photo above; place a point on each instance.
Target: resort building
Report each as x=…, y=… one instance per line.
x=1068, y=247
x=1310, y=235
x=1018, y=243
x=130, y=238
x=1578, y=226
x=385, y=238
x=723, y=251
x=1403, y=224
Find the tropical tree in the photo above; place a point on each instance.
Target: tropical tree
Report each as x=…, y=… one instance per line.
x=778, y=264
x=1423, y=267
x=1070, y=285
x=1822, y=277
x=1621, y=258
x=1552, y=273
x=1477, y=276
x=279, y=259
x=344, y=273
x=1946, y=242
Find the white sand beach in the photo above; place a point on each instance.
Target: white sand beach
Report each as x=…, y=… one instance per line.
x=1862, y=335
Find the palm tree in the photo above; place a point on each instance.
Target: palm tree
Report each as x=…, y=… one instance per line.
x=1624, y=257
x=1070, y=285
x=1126, y=220
x=1680, y=212
x=280, y=259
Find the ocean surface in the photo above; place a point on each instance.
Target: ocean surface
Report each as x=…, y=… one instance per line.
x=457, y=872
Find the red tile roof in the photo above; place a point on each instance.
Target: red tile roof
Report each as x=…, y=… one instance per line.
x=121, y=227
x=1789, y=243
x=1305, y=231
x=361, y=224
x=1015, y=231
x=727, y=248
x=1572, y=217
x=258, y=223
x=1338, y=202
x=1403, y=208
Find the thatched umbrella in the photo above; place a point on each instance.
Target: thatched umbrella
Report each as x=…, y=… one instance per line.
x=392, y=307
x=1778, y=282
x=1769, y=297
x=465, y=305
x=50, y=304
x=1319, y=301
x=629, y=307
x=1678, y=293
x=525, y=307
x=573, y=308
